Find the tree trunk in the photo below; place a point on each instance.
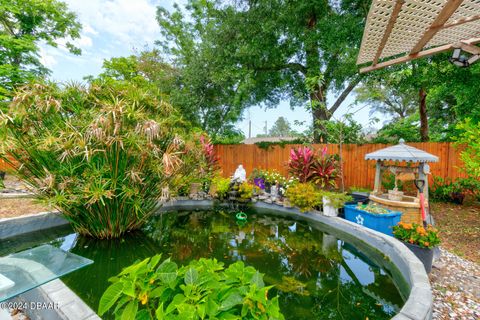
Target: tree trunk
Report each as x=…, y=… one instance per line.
x=423, y=115
x=320, y=114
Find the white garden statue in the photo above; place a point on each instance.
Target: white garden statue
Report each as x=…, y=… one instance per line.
x=240, y=174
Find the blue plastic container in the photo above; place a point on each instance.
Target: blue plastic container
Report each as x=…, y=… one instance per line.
x=379, y=222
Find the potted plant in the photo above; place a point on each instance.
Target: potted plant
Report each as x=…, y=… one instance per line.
x=419, y=240
x=332, y=201
x=373, y=216
x=258, y=178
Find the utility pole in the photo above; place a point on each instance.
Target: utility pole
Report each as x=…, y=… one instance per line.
x=266, y=128
x=249, y=124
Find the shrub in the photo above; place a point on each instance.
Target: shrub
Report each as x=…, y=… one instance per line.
x=305, y=196
x=101, y=154
x=203, y=289
x=245, y=191
x=220, y=187
x=417, y=234
x=470, y=131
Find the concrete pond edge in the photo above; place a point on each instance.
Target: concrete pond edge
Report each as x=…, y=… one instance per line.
x=418, y=305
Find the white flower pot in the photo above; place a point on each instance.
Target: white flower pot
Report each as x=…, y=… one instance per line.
x=328, y=209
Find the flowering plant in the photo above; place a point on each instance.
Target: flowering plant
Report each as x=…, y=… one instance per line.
x=273, y=176
x=416, y=234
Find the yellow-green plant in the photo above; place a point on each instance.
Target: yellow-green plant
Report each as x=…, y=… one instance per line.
x=100, y=154
x=204, y=289
x=305, y=196
x=337, y=199
x=221, y=186
x=245, y=191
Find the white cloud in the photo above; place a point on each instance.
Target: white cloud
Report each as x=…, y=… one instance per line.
x=83, y=42
x=130, y=22
x=46, y=58
x=89, y=30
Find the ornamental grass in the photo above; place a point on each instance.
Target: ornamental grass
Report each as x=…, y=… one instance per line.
x=99, y=154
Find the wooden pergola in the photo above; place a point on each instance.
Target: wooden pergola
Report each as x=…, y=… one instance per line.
x=398, y=31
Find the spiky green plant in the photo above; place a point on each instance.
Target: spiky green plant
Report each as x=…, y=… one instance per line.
x=100, y=154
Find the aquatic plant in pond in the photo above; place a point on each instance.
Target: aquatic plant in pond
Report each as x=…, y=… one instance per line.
x=203, y=288
x=100, y=154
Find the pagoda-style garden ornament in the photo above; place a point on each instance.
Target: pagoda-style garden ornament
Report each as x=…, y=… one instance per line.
x=416, y=169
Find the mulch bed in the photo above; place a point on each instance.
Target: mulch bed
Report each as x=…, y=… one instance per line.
x=459, y=227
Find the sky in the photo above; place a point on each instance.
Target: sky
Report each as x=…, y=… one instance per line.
x=115, y=28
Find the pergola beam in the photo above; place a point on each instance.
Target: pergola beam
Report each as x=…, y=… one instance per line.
x=461, y=21
x=388, y=30
x=450, y=7
x=425, y=53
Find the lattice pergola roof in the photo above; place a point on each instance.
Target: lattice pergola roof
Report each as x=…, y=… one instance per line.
x=401, y=30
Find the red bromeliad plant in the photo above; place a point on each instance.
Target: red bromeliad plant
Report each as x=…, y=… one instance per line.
x=301, y=163
x=307, y=167
x=209, y=154
x=325, y=171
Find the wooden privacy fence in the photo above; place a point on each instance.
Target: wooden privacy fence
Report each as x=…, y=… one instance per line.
x=357, y=171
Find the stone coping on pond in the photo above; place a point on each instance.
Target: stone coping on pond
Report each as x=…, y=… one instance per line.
x=10, y=227
x=418, y=305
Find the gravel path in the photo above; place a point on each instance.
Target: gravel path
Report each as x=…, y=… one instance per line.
x=456, y=288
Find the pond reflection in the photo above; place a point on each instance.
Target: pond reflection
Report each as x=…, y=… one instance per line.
x=316, y=275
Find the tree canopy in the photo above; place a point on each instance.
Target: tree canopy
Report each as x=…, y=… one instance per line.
x=24, y=24
x=242, y=53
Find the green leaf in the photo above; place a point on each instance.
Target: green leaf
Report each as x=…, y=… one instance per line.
x=167, y=272
x=159, y=312
x=109, y=297
x=129, y=289
x=211, y=307
x=154, y=261
x=231, y=301
x=134, y=268
x=191, y=276
x=130, y=311
x=201, y=310
x=143, y=315
x=257, y=279
x=177, y=300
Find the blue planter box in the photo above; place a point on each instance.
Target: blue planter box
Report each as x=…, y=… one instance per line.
x=379, y=222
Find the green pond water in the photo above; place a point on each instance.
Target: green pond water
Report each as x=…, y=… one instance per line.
x=316, y=275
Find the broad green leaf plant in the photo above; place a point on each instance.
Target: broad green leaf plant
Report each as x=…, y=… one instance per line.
x=204, y=289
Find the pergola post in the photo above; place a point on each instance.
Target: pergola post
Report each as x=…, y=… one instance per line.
x=378, y=177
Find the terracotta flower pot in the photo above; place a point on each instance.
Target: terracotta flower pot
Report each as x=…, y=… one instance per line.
x=423, y=254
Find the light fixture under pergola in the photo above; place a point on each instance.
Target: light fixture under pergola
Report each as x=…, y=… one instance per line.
x=398, y=31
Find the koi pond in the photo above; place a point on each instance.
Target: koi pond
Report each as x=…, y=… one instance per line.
x=315, y=274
